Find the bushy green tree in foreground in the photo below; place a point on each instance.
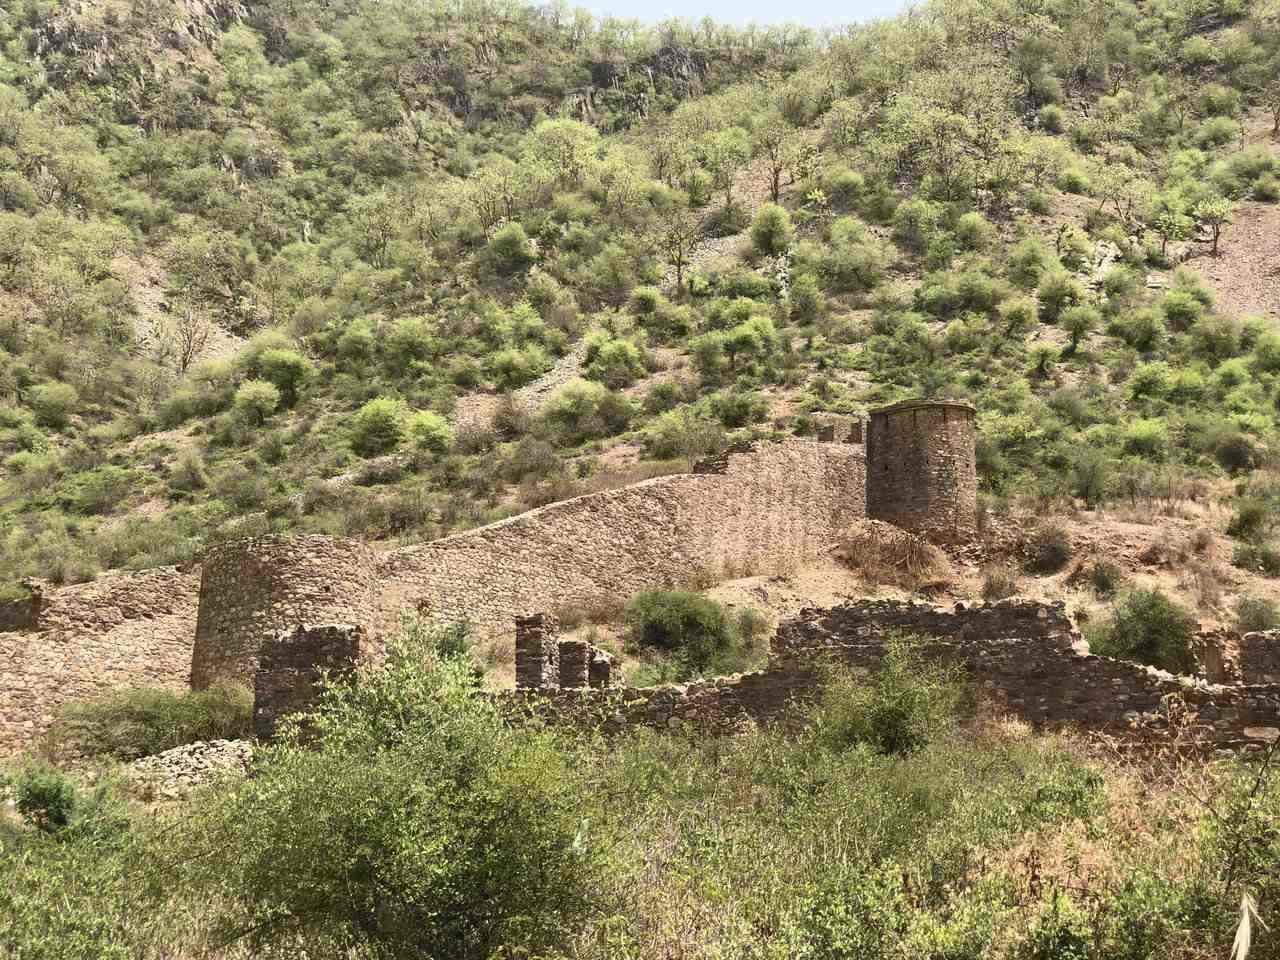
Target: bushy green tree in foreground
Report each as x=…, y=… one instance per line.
x=401, y=818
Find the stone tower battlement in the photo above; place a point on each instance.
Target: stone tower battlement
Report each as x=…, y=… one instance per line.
x=922, y=468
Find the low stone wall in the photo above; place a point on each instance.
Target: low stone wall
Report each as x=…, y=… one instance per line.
x=1023, y=655
x=122, y=630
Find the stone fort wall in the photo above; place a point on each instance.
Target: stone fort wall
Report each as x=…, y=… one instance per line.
x=79, y=642
x=766, y=508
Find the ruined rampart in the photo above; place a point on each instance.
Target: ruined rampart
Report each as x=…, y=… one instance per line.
x=1024, y=656
x=763, y=509
x=79, y=642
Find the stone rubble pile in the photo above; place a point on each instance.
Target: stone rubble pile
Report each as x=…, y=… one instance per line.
x=175, y=773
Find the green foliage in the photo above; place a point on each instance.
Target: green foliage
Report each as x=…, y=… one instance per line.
x=44, y=797
x=1148, y=627
x=142, y=721
x=256, y=400
x=1105, y=577
x=696, y=632
x=408, y=819
x=771, y=231
x=379, y=426
x=1260, y=558
x=427, y=431
x=908, y=702
x=1256, y=613
x=510, y=249
x=1048, y=549
x=53, y=403
x=1058, y=291
x=582, y=410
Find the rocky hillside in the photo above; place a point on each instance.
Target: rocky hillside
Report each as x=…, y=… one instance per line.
x=396, y=270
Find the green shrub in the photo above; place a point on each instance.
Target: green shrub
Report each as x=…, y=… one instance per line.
x=906, y=704
x=53, y=403
x=510, y=249
x=1048, y=549
x=1105, y=577
x=44, y=797
x=1029, y=261
x=1251, y=518
x=378, y=426
x=1148, y=627
x=1148, y=439
x=973, y=231
x=1256, y=613
x=1258, y=557
x=427, y=430
x=288, y=370
x=697, y=632
x=256, y=400
x=1061, y=932
x=142, y=721
x=1058, y=291
x=583, y=410
x=402, y=818
x=682, y=433
x=614, y=362
x=771, y=231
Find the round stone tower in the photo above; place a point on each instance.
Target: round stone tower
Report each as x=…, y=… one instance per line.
x=252, y=590
x=921, y=468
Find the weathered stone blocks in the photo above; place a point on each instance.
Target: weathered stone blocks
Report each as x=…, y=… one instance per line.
x=922, y=468
x=291, y=665
x=253, y=589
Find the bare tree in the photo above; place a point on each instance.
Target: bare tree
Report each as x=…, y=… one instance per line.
x=185, y=336
x=677, y=237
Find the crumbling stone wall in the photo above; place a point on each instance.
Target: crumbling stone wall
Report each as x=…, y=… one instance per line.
x=291, y=664
x=1258, y=657
x=545, y=662
x=122, y=630
x=251, y=590
x=1022, y=654
x=922, y=468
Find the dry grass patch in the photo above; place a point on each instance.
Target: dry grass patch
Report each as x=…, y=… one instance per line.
x=883, y=555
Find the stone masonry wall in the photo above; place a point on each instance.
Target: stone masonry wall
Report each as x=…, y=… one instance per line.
x=251, y=590
x=922, y=469
x=764, y=510
x=119, y=631
x=291, y=664
x=1258, y=658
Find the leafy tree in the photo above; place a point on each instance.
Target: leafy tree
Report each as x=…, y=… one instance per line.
x=426, y=430
x=378, y=426
x=404, y=817
x=256, y=400
x=771, y=231
x=1215, y=213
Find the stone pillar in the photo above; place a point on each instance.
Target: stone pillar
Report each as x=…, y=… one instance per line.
x=575, y=664
x=537, y=652
x=922, y=468
x=290, y=666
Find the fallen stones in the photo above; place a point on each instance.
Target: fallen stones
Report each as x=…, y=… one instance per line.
x=174, y=773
